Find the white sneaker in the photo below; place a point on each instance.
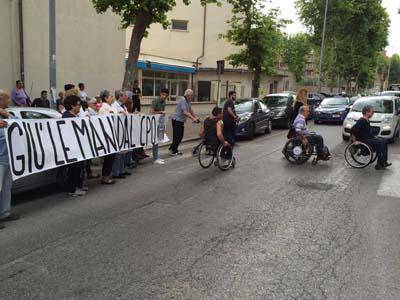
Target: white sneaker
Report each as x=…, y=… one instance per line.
x=77, y=193
x=159, y=161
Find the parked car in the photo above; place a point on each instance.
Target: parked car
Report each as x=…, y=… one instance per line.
x=394, y=87
x=391, y=93
x=281, y=108
x=40, y=179
x=314, y=100
x=332, y=110
x=385, y=122
x=254, y=117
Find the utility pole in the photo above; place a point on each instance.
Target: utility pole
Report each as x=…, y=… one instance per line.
x=388, y=76
x=52, y=50
x=322, y=47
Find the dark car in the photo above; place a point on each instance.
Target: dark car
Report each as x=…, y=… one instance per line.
x=314, y=100
x=332, y=110
x=254, y=117
x=281, y=108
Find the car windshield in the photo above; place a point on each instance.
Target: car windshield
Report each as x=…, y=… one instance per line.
x=275, y=101
x=334, y=102
x=379, y=105
x=244, y=106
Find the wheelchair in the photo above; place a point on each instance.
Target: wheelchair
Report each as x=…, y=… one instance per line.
x=222, y=156
x=359, y=155
x=298, y=153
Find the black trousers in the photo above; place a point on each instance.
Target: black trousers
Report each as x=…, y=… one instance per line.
x=107, y=165
x=75, y=176
x=136, y=105
x=318, y=141
x=88, y=166
x=178, y=130
x=379, y=145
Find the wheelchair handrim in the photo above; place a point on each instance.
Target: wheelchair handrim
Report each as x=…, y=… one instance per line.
x=223, y=162
x=205, y=156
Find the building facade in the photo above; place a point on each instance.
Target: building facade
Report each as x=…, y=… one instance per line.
x=90, y=48
x=185, y=55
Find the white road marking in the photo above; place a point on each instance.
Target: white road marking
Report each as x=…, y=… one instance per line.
x=390, y=182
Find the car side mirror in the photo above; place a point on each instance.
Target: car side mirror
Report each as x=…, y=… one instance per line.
x=347, y=108
x=260, y=110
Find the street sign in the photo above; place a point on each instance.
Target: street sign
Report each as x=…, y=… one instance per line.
x=220, y=67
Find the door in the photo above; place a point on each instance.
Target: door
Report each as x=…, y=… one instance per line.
x=261, y=117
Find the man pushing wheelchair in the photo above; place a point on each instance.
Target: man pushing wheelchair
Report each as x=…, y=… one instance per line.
x=362, y=132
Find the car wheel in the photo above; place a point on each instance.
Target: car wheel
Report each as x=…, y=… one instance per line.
x=269, y=127
x=252, y=131
x=317, y=121
x=345, y=137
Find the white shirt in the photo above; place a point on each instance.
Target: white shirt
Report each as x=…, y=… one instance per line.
x=82, y=113
x=121, y=109
x=92, y=112
x=107, y=109
x=82, y=95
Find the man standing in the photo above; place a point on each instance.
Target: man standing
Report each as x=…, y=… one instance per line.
x=18, y=96
x=182, y=112
x=362, y=131
x=230, y=118
x=137, y=93
x=42, y=101
x=82, y=93
x=158, y=107
x=118, y=170
x=5, y=174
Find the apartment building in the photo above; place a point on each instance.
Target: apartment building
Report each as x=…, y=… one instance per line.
x=87, y=47
x=185, y=55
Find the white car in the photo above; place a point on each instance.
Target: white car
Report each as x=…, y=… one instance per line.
x=385, y=122
x=40, y=179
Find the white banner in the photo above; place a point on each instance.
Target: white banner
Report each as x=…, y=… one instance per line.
x=38, y=145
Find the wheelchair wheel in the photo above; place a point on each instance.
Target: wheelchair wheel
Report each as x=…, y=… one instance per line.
x=225, y=158
x=206, y=155
x=359, y=155
x=296, y=152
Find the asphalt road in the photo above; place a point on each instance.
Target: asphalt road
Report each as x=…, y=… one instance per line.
x=266, y=230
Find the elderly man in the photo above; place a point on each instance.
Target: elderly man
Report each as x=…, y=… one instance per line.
x=5, y=174
x=182, y=112
x=300, y=125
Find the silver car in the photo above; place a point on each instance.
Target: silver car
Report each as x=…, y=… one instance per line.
x=40, y=179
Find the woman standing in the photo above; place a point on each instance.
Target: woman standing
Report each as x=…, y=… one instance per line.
x=301, y=100
x=105, y=109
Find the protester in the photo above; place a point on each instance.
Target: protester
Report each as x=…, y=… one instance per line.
x=301, y=100
x=107, y=108
x=230, y=118
x=60, y=103
x=183, y=111
x=118, y=170
x=42, y=101
x=68, y=86
x=19, y=96
x=158, y=107
x=75, y=171
x=5, y=174
x=137, y=93
x=93, y=108
x=82, y=93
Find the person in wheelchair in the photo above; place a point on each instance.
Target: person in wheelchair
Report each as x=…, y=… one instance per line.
x=212, y=130
x=300, y=126
x=362, y=132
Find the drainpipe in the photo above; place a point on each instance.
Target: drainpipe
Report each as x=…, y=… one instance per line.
x=204, y=38
x=52, y=50
x=21, y=41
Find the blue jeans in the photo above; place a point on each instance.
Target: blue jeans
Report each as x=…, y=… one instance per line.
x=5, y=191
x=379, y=145
x=155, y=152
x=119, y=165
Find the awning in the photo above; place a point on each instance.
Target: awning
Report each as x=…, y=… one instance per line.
x=150, y=65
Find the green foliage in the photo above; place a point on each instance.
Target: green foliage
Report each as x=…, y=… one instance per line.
x=296, y=50
x=356, y=32
x=130, y=9
x=394, y=69
x=258, y=35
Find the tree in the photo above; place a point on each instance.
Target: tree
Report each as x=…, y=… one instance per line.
x=394, y=69
x=296, y=50
x=141, y=14
x=356, y=32
x=259, y=37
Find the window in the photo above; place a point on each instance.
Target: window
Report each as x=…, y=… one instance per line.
x=204, y=90
x=34, y=115
x=179, y=25
x=148, y=87
x=154, y=81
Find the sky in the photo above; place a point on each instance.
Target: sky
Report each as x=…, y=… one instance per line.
x=288, y=11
